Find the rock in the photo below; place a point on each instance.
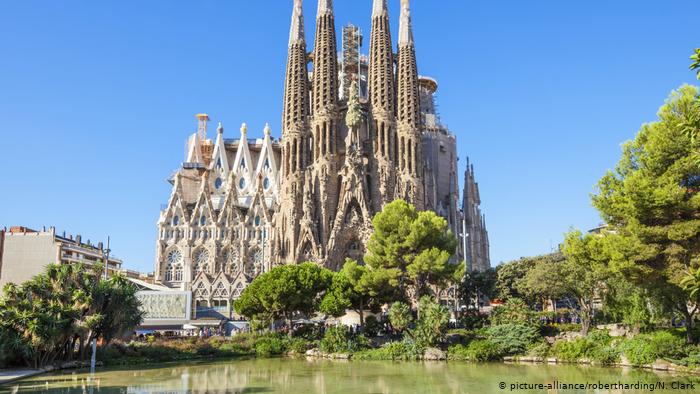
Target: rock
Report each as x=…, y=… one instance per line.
x=312, y=352
x=552, y=360
x=508, y=358
x=624, y=361
x=341, y=356
x=660, y=365
x=550, y=340
x=434, y=354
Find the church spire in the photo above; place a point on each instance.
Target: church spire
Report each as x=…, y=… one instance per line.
x=410, y=185
x=295, y=139
x=325, y=83
x=296, y=31
x=405, y=27
x=382, y=97
x=296, y=93
x=324, y=7
x=380, y=8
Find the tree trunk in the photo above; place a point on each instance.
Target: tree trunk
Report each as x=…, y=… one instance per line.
x=288, y=320
x=689, y=324
x=361, y=312
x=586, y=309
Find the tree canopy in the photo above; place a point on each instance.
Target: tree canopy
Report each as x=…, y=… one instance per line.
x=652, y=204
x=47, y=318
x=284, y=291
x=412, y=248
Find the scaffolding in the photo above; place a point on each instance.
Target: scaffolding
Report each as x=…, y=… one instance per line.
x=352, y=41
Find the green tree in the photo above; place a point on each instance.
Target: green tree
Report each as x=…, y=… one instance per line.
x=652, y=204
x=584, y=272
x=284, y=291
x=432, y=324
x=400, y=316
x=412, y=248
x=696, y=62
x=477, y=284
x=356, y=288
x=509, y=277
x=542, y=282
x=54, y=316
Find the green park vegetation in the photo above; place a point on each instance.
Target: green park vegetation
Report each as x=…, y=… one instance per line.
x=640, y=271
x=54, y=317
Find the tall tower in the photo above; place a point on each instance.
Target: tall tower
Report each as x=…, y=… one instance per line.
x=409, y=184
x=295, y=138
x=382, y=97
x=325, y=126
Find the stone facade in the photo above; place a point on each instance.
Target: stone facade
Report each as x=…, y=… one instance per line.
x=239, y=207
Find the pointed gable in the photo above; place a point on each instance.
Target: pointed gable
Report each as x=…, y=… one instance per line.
x=242, y=165
x=267, y=166
x=204, y=206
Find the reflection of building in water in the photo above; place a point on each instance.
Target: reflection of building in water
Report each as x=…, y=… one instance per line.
x=357, y=132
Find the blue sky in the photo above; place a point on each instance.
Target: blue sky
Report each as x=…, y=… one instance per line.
x=97, y=98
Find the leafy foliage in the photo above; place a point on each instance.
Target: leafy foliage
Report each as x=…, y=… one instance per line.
x=652, y=204
x=513, y=338
x=513, y=311
x=411, y=249
x=357, y=288
x=646, y=348
x=400, y=316
x=696, y=61
x=284, y=291
x=44, y=320
x=432, y=323
x=339, y=340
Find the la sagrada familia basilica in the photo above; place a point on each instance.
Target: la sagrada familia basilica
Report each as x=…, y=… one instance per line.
x=357, y=132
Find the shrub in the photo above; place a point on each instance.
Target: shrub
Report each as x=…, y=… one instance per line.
x=432, y=324
x=514, y=311
x=339, y=340
x=539, y=349
x=458, y=352
x=400, y=316
x=297, y=345
x=404, y=351
x=269, y=346
x=513, y=338
x=483, y=350
x=646, y=348
x=598, y=346
x=372, y=326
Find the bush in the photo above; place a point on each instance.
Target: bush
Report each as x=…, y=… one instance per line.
x=539, y=349
x=514, y=311
x=297, y=345
x=483, y=350
x=432, y=324
x=404, y=351
x=339, y=340
x=513, y=338
x=598, y=346
x=270, y=345
x=372, y=326
x=646, y=348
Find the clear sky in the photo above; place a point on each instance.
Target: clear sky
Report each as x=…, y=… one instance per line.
x=98, y=97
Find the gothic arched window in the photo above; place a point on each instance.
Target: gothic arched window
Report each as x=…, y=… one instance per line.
x=201, y=262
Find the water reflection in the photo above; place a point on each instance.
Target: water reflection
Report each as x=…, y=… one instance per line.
x=325, y=377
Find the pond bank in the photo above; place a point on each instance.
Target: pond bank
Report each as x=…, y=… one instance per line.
x=10, y=375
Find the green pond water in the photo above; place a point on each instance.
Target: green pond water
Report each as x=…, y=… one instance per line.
x=285, y=375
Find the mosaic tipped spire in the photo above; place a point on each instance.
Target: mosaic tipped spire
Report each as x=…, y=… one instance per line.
x=405, y=26
x=296, y=32
x=324, y=7
x=379, y=8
